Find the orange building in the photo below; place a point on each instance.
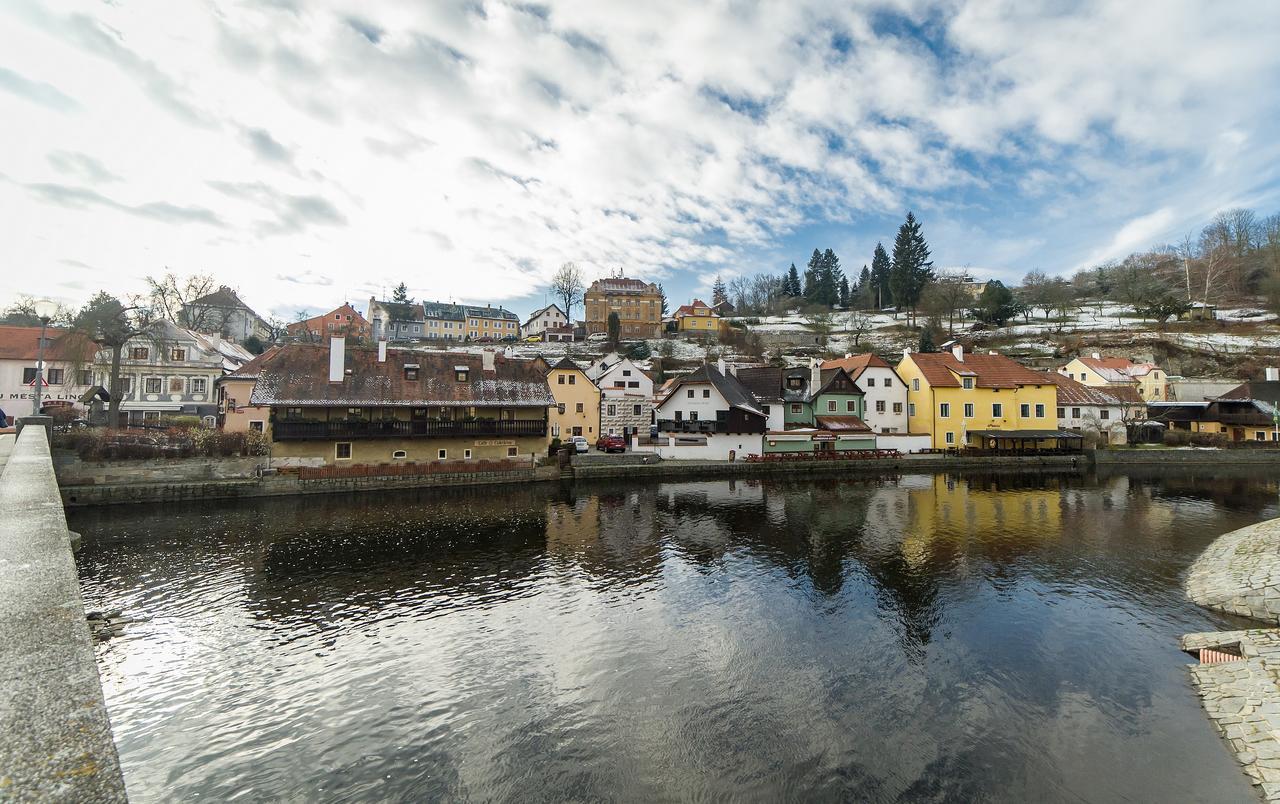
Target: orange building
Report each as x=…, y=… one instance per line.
x=344, y=322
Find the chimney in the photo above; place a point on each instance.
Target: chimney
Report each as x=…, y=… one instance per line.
x=957, y=351
x=486, y=360
x=1273, y=374
x=382, y=351
x=847, y=355
x=815, y=375
x=337, y=359
x=906, y=352
x=720, y=365
x=1097, y=356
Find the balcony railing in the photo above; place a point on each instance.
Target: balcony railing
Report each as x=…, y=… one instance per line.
x=357, y=429
x=687, y=426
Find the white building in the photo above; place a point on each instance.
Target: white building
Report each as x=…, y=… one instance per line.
x=707, y=414
x=549, y=317
x=885, y=394
x=1105, y=409
x=626, y=395
x=68, y=368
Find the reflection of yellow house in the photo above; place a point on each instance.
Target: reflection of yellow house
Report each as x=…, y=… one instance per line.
x=699, y=317
x=1098, y=371
x=963, y=510
x=975, y=400
x=577, y=408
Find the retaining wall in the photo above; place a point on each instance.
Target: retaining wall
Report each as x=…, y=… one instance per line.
x=1187, y=457
x=55, y=738
x=72, y=471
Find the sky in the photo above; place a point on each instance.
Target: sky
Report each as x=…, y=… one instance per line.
x=309, y=153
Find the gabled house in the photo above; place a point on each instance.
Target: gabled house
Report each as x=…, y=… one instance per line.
x=1249, y=412
x=336, y=405
x=1096, y=370
x=698, y=317
x=637, y=303
x=549, y=320
x=809, y=409
x=626, y=394
x=987, y=401
x=222, y=313
x=344, y=322
x=576, y=408
x=711, y=413
x=404, y=321
x=67, y=375
x=1101, y=408
x=885, y=401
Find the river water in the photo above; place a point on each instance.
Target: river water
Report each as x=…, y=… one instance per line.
x=923, y=638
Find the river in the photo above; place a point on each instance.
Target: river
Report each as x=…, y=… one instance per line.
x=923, y=638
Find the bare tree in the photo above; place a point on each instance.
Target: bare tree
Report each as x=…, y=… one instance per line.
x=951, y=290
x=111, y=324
x=170, y=297
x=819, y=322
x=858, y=323
x=567, y=286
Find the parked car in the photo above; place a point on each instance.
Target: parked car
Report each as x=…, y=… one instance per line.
x=611, y=443
x=580, y=444
x=597, y=337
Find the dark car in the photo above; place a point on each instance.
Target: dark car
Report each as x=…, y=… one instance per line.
x=611, y=443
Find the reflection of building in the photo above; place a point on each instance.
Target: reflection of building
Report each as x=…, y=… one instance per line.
x=638, y=305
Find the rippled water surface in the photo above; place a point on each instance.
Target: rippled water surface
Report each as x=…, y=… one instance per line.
x=928, y=638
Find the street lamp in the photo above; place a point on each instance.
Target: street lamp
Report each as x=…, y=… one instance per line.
x=44, y=310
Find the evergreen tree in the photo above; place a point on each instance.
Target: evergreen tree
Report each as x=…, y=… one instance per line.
x=811, y=276
x=718, y=294
x=865, y=284
x=912, y=269
x=880, y=270
x=663, y=294
x=401, y=294
x=827, y=290
x=996, y=305
x=926, y=340
x=792, y=287
x=614, y=325
x=845, y=295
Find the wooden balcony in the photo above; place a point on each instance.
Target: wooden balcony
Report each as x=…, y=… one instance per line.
x=687, y=426
x=337, y=430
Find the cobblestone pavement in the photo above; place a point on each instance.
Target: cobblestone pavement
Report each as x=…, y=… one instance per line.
x=1240, y=573
x=1242, y=698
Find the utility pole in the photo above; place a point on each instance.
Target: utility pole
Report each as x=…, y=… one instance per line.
x=44, y=309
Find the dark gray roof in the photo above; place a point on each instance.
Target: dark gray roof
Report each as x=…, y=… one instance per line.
x=733, y=391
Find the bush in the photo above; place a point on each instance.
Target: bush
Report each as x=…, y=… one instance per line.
x=1186, y=438
x=176, y=442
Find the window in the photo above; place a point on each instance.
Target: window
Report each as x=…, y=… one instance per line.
x=577, y=431
x=399, y=455
x=944, y=410
x=1075, y=413
x=997, y=410
x=411, y=372
x=154, y=416
x=442, y=454
x=198, y=385
x=28, y=375
x=968, y=383
x=633, y=383
x=851, y=406
x=560, y=408
x=689, y=393
x=152, y=385
x=1025, y=410
x=1039, y=411
x=560, y=379
x=636, y=410
x=466, y=453
x=897, y=407
x=871, y=382
x=706, y=393
x=256, y=426
x=880, y=406
x=53, y=376
x=831, y=406
x=1104, y=414
x=796, y=407
x=1062, y=413
x=626, y=372
x=139, y=353
x=968, y=410
x=578, y=408
x=612, y=410
x=911, y=408
x=513, y=452
x=342, y=451
x=951, y=438
x=85, y=377
x=460, y=375
x=1260, y=436
x=177, y=354
x=573, y=379
x=176, y=385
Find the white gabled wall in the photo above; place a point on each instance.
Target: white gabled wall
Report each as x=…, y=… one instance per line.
x=703, y=405
x=889, y=389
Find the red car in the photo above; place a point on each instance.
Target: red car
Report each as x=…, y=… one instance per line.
x=611, y=443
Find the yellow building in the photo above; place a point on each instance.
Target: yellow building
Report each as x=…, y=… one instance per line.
x=982, y=401
x=699, y=317
x=1151, y=382
x=577, y=401
x=322, y=405
x=638, y=305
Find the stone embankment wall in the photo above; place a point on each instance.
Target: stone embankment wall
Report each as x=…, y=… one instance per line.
x=55, y=738
x=72, y=471
x=1240, y=573
x=1187, y=457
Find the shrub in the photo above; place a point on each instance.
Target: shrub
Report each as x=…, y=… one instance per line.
x=176, y=442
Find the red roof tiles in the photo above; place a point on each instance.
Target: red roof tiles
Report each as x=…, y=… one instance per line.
x=940, y=369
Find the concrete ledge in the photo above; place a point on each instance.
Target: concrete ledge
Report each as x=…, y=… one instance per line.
x=1239, y=573
x=55, y=738
x=1186, y=457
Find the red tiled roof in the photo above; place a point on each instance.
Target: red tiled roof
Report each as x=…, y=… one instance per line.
x=23, y=343
x=854, y=365
x=988, y=371
x=1071, y=392
x=298, y=374
x=689, y=309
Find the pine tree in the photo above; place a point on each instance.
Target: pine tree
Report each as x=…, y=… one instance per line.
x=811, y=272
x=793, y=282
x=880, y=270
x=718, y=294
x=912, y=268
x=845, y=295
x=401, y=294
x=827, y=279
x=866, y=288
x=663, y=294
x=926, y=340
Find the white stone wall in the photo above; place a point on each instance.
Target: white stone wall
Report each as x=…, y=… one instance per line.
x=624, y=414
x=716, y=448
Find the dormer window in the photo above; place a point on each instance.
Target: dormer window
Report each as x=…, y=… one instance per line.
x=460, y=373
x=794, y=383
x=178, y=355
x=968, y=383
x=411, y=371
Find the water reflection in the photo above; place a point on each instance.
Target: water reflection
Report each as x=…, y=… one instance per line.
x=925, y=637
